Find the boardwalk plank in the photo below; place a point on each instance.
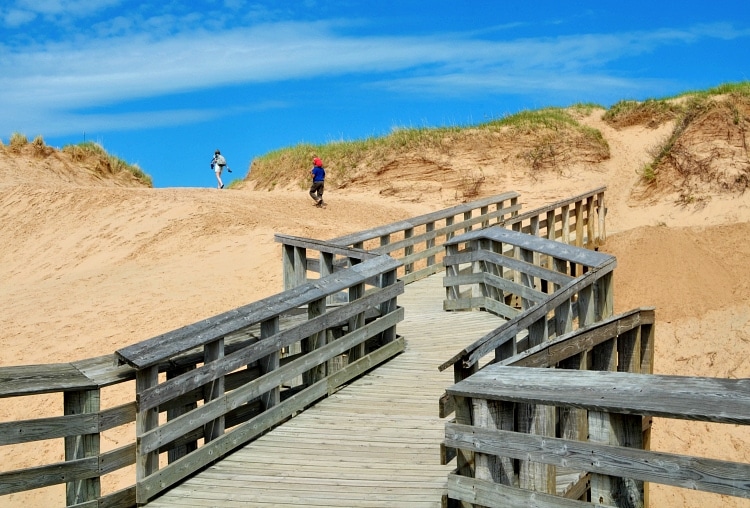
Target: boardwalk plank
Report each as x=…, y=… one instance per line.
x=374, y=443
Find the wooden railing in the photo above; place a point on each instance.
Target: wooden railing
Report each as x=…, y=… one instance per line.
x=515, y=466
x=622, y=343
x=579, y=220
x=81, y=426
x=246, y=387
x=416, y=242
x=207, y=388
x=545, y=288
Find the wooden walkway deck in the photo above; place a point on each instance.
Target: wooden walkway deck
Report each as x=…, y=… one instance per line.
x=375, y=443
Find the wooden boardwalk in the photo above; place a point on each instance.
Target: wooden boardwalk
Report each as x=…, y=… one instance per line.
x=374, y=443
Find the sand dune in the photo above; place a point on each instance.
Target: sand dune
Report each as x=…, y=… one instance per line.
x=88, y=267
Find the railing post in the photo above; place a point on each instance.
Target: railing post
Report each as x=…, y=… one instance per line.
x=294, y=261
x=145, y=463
x=271, y=362
x=183, y=449
x=315, y=341
x=464, y=458
x=483, y=211
x=79, y=447
x=451, y=292
x=213, y=351
x=616, y=430
x=565, y=224
x=579, y=224
x=478, y=289
x=604, y=295
x=590, y=223
x=494, y=415
x=602, y=212
x=408, y=250
x=540, y=420
x=430, y=243
x=326, y=269
x=358, y=321
x=388, y=279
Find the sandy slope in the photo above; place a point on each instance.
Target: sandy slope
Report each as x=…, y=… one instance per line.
x=89, y=267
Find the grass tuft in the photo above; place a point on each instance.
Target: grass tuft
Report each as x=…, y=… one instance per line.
x=104, y=162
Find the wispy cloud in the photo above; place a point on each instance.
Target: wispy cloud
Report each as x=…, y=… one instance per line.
x=132, y=57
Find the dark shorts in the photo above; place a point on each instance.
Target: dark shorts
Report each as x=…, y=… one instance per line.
x=316, y=189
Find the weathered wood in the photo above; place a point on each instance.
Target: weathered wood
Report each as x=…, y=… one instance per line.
x=559, y=250
x=214, y=352
x=494, y=415
x=414, y=222
x=689, y=398
x=270, y=363
x=170, y=431
x=322, y=246
x=491, y=341
x=44, y=476
x=494, y=495
x=173, y=473
x=40, y=429
x=710, y=475
x=37, y=379
x=146, y=421
x=582, y=339
x=152, y=351
x=82, y=446
x=205, y=374
x=499, y=283
x=511, y=263
x=317, y=340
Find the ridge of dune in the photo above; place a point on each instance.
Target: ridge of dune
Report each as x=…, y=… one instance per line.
x=91, y=265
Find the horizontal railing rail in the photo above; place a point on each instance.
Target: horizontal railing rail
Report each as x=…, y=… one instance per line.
x=624, y=342
x=513, y=464
x=81, y=426
x=254, y=388
x=416, y=242
x=544, y=288
x=579, y=220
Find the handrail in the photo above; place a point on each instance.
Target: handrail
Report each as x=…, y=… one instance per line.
x=416, y=242
x=611, y=451
x=420, y=220
x=80, y=384
x=255, y=387
x=525, y=253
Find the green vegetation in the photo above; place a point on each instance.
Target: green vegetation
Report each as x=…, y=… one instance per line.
x=343, y=158
x=650, y=112
x=654, y=112
x=106, y=163
x=694, y=106
x=739, y=88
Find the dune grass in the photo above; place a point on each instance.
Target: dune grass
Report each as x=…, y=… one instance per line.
x=696, y=105
x=105, y=161
x=343, y=158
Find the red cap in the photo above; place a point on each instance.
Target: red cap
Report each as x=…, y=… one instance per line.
x=317, y=161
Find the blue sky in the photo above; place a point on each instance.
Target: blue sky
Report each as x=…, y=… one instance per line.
x=162, y=84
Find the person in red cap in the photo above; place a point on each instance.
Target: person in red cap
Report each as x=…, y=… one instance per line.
x=318, y=182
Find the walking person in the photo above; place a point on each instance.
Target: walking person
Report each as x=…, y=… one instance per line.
x=318, y=182
x=218, y=163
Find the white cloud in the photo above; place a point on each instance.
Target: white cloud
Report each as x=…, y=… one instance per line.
x=93, y=70
x=17, y=17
